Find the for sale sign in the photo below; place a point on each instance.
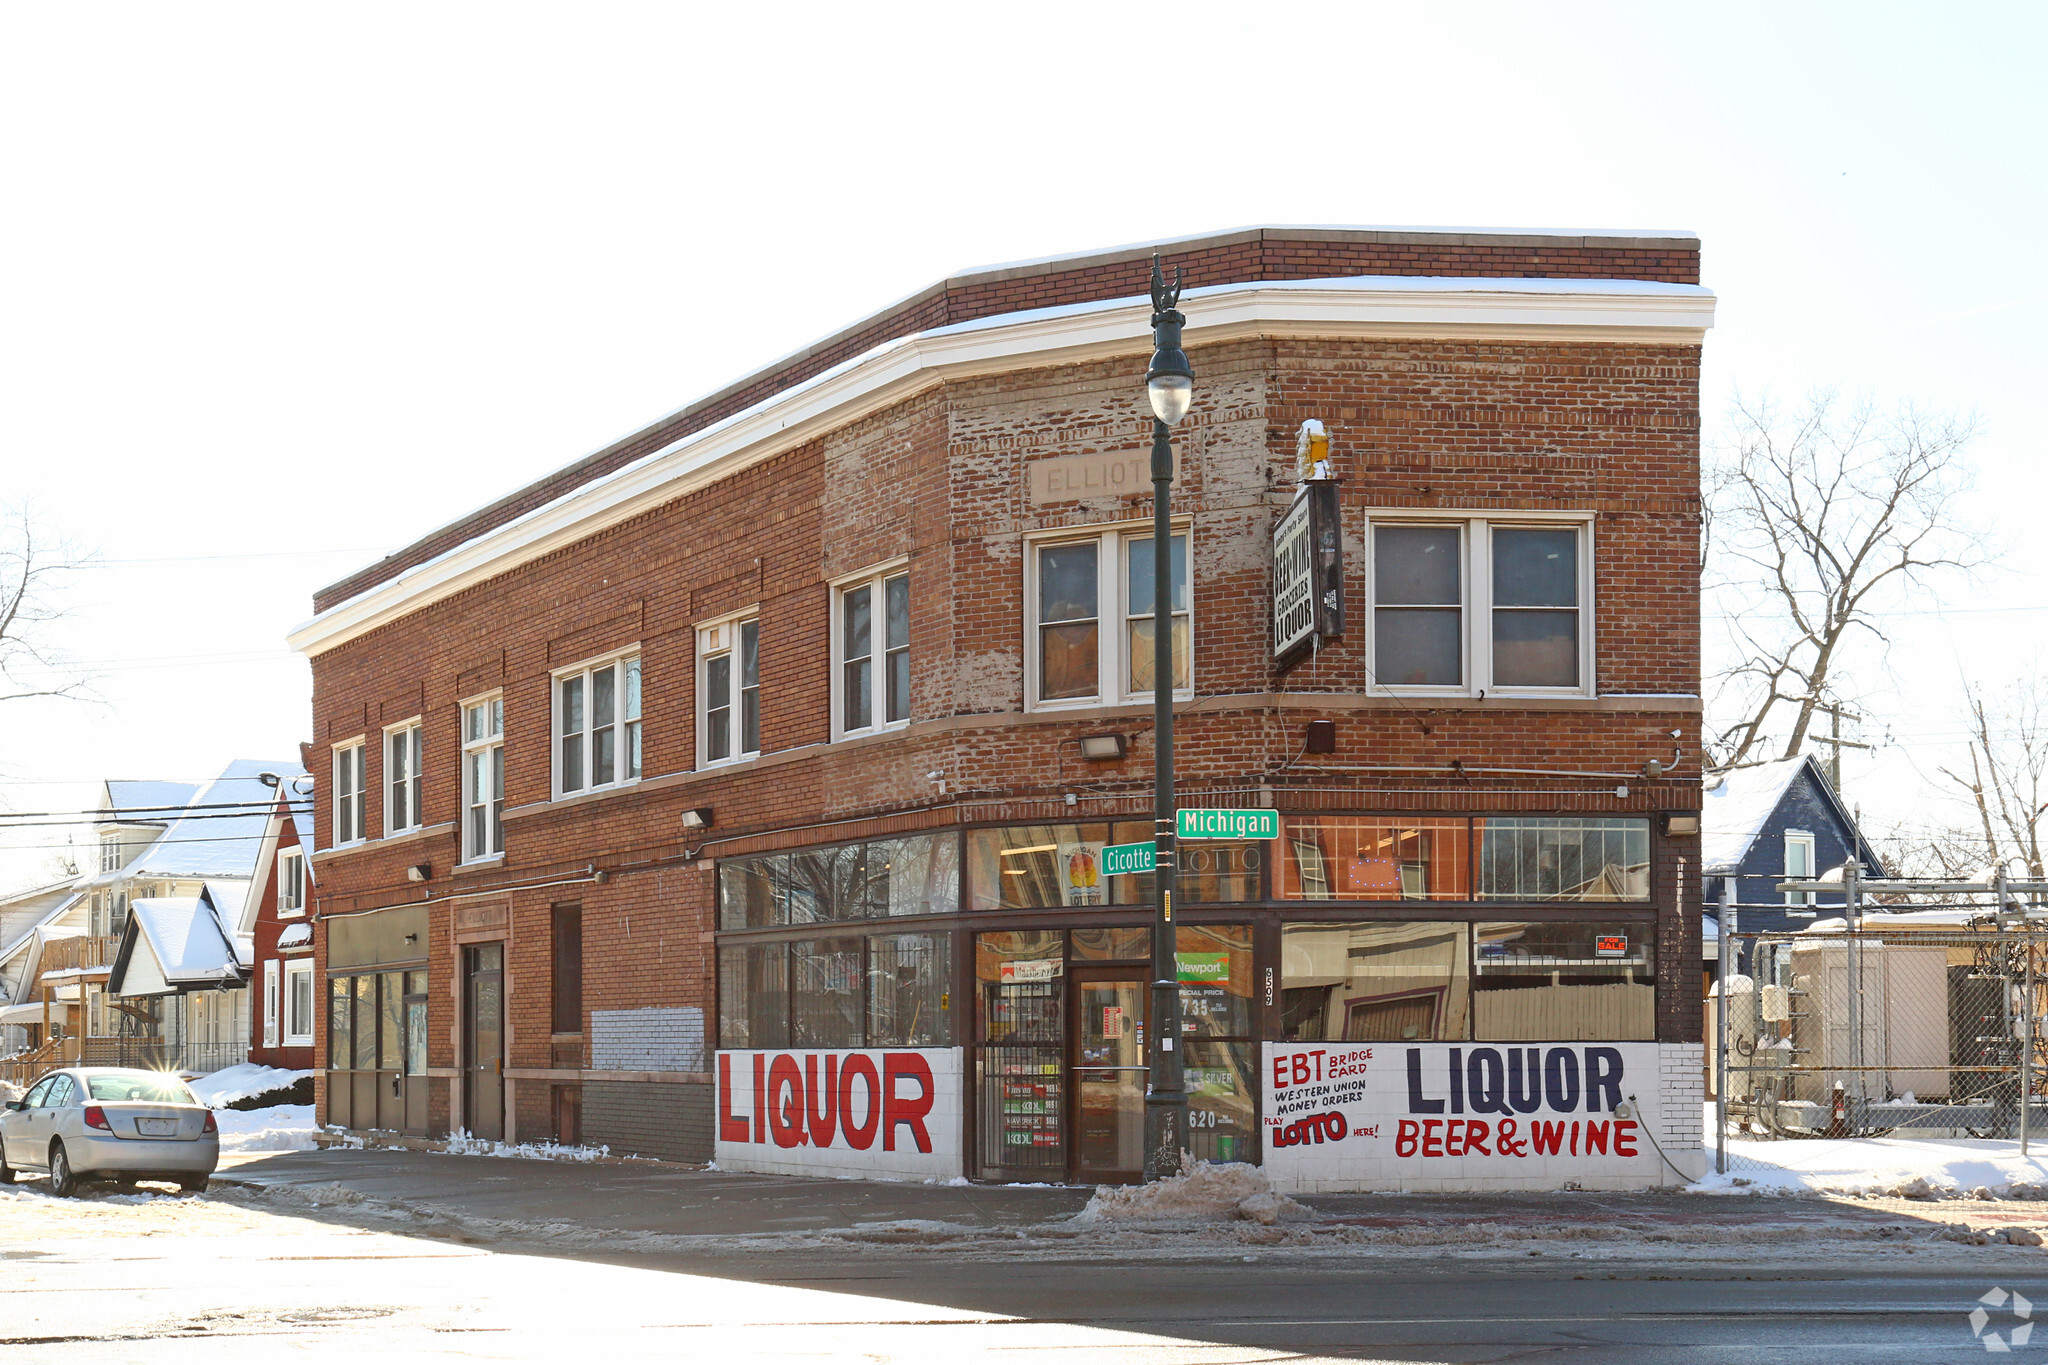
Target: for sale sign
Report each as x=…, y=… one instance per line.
x=1461, y=1116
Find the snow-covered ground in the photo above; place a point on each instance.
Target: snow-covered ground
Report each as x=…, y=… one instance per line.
x=281, y=1128
x=1878, y=1166
x=231, y=1083
x=462, y=1144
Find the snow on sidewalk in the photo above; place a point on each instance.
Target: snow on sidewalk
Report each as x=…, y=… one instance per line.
x=280, y=1128
x=1879, y=1166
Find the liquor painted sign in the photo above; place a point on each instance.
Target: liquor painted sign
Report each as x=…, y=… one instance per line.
x=850, y=1112
x=1443, y=1116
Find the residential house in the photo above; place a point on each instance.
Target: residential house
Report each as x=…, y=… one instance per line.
x=281, y=928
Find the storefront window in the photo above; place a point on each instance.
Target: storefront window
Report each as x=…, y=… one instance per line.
x=1563, y=858
x=910, y=990
x=917, y=874
x=366, y=1022
x=1564, y=982
x=391, y=1015
x=1222, y=1101
x=1112, y=945
x=1220, y=872
x=826, y=992
x=1362, y=983
x=753, y=995
x=1376, y=858
x=1215, y=963
x=1031, y=866
x=340, y=1038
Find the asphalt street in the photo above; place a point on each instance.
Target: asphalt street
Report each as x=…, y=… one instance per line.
x=313, y=1263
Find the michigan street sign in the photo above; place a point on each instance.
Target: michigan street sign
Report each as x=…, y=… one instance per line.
x=1228, y=824
x=1122, y=859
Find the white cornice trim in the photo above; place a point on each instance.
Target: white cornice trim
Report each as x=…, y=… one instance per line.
x=1541, y=310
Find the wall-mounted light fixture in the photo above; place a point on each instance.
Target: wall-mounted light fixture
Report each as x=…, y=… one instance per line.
x=1321, y=737
x=1099, y=747
x=1681, y=822
x=697, y=817
x=419, y=872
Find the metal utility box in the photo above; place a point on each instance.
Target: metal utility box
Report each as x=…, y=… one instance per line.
x=1898, y=996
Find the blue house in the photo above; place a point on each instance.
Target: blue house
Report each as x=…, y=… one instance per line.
x=1763, y=825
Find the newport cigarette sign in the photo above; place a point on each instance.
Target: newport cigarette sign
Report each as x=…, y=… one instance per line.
x=1228, y=824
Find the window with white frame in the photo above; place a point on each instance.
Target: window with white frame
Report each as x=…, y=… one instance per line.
x=298, y=1003
x=871, y=650
x=1478, y=604
x=483, y=778
x=597, y=726
x=272, y=1001
x=350, y=822
x=291, y=882
x=728, y=691
x=402, y=780
x=110, y=854
x=1798, y=864
x=1089, y=600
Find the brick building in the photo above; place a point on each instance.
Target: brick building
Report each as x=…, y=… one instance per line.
x=725, y=790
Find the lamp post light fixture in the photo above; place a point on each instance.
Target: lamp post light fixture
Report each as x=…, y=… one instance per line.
x=1170, y=386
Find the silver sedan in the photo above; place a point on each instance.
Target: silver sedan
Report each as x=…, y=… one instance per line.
x=109, y=1123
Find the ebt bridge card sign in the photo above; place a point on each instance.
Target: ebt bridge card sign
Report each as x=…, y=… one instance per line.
x=1467, y=1116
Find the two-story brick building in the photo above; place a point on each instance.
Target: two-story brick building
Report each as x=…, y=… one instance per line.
x=743, y=786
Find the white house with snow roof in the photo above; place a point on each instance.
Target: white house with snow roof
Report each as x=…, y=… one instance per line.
x=159, y=844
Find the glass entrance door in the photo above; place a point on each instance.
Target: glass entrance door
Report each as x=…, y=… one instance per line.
x=1109, y=1073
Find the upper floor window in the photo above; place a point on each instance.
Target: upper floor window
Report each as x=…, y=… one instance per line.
x=110, y=854
x=1798, y=864
x=1091, y=618
x=597, y=726
x=291, y=882
x=1476, y=605
x=483, y=778
x=350, y=825
x=871, y=644
x=402, y=781
x=729, y=691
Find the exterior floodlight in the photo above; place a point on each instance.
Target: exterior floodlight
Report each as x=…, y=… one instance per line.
x=1170, y=381
x=1102, y=746
x=697, y=818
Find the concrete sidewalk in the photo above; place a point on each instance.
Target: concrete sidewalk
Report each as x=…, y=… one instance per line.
x=653, y=1197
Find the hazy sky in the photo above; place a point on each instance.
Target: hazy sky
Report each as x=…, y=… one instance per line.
x=282, y=287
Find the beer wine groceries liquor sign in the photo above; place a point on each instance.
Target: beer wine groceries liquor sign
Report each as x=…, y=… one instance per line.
x=1432, y=1116
x=859, y=1112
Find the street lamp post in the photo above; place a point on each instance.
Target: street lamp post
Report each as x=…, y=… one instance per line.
x=1169, y=385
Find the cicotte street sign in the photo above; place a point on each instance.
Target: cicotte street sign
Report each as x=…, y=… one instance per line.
x=1120, y=860
x=1228, y=824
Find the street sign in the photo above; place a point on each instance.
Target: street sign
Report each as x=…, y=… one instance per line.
x=1119, y=860
x=1228, y=824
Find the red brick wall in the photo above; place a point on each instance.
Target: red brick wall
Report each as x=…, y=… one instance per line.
x=1606, y=429
x=1251, y=255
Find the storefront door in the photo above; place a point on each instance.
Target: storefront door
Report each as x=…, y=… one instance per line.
x=483, y=1059
x=1107, y=1065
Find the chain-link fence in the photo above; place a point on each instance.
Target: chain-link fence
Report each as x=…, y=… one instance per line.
x=1898, y=1032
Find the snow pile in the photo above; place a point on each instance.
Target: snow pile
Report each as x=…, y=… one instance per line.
x=462, y=1144
x=1900, y=1167
x=281, y=1128
x=242, y=1081
x=1206, y=1193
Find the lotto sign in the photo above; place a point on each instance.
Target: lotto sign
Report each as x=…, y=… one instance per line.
x=1227, y=824
x=850, y=1112
x=1465, y=1116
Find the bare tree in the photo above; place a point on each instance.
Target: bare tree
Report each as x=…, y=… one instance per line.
x=33, y=567
x=2007, y=785
x=1817, y=521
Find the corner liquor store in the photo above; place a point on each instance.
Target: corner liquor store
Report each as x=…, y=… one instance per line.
x=1004, y=956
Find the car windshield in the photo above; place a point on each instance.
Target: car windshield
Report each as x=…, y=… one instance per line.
x=140, y=1085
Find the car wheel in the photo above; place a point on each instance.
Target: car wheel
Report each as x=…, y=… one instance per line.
x=192, y=1184
x=63, y=1180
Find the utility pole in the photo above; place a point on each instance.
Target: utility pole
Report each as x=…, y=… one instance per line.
x=1836, y=713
